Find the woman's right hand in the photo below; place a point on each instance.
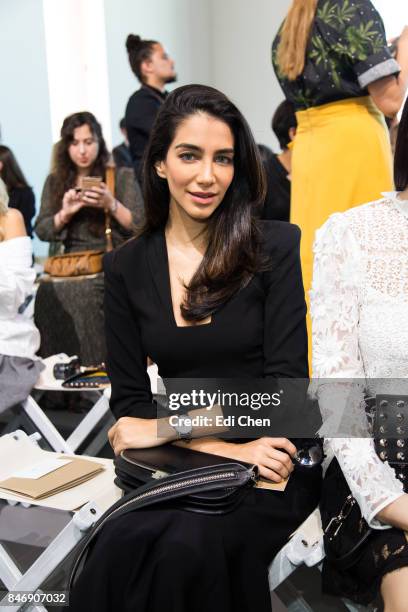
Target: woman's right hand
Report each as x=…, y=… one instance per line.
x=71, y=203
x=133, y=432
x=273, y=456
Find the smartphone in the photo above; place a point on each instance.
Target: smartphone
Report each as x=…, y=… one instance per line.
x=87, y=182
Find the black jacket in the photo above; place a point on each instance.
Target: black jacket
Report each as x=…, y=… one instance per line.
x=141, y=111
x=259, y=332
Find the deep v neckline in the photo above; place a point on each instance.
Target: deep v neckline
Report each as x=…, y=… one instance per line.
x=167, y=287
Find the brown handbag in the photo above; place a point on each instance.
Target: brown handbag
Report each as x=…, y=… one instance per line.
x=74, y=264
x=84, y=263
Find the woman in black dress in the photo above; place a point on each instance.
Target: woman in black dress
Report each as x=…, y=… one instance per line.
x=194, y=293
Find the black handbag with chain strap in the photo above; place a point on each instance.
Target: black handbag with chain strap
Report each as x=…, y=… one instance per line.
x=345, y=529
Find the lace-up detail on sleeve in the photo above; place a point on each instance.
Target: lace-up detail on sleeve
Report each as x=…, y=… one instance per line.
x=339, y=306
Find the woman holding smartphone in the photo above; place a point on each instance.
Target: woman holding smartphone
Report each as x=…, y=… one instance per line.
x=75, y=217
x=206, y=291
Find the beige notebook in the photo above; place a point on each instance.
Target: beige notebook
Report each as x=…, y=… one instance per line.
x=51, y=476
x=263, y=483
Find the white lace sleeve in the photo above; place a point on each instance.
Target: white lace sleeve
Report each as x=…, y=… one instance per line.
x=336, y=354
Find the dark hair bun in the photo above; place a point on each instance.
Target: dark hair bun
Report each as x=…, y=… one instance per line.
x=133, y=42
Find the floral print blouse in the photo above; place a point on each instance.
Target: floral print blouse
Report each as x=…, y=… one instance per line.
x=347, y=51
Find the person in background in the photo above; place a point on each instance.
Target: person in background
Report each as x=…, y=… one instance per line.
x=70, y=314
x=278, y=166
x=332, y=61
x=21, y=195
x=121, y=153
x=19, y=338
x=77, y=218
x=153, y=67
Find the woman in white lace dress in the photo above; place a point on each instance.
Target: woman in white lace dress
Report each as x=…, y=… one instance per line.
x=359, y=307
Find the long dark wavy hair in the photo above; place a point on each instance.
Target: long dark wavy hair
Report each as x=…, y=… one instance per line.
x=11, y=172
x=66, y=172
x=234, y=252
x=401, y=152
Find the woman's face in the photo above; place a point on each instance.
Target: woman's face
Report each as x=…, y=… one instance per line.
x=199, y=166
x=84, y=147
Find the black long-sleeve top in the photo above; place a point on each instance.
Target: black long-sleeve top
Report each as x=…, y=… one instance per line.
x=23, y=199
x=277, y=200
x=141, y=111
x=259, y=332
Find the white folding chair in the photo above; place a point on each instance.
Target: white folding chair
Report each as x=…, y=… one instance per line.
x=98, y=414
x=49, y=432
x=59, y=548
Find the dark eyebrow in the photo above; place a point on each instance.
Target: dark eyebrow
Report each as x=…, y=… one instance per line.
x=186, y=145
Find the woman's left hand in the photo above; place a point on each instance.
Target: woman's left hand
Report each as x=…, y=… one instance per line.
x=131, y=432
x=99, y=197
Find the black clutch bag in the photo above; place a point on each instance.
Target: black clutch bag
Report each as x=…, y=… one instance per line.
x=136, y=467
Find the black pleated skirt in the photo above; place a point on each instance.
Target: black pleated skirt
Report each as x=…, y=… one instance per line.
x=167, y=559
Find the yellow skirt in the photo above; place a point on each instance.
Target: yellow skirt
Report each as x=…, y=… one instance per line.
x=341, y=158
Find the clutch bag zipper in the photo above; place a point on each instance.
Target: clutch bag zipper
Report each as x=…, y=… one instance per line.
x=164, y=488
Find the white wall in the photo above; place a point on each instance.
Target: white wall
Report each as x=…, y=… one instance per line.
x=24, y=102
x=77, y=61
x=225, y=43
x=394, y=14
x=182, y=26
x=241, y=36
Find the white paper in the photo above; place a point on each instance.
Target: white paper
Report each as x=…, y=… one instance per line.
x=41, y=469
